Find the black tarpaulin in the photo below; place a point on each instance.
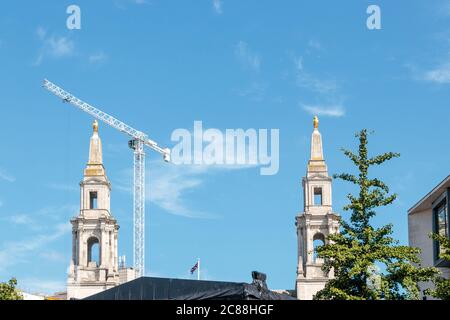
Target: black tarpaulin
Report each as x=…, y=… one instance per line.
x=149, y=288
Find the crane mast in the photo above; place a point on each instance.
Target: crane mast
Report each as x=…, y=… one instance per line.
x=139, y=140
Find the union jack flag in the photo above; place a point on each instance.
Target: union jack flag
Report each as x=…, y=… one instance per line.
x=194, y=268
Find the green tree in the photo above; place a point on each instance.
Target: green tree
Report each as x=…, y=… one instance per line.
x=358, y=253
x=8, y=290
x=441, y=285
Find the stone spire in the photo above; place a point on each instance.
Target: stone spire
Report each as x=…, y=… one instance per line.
x=95, y=163
x=316, y=161
x=94, y=264
x=316, y=222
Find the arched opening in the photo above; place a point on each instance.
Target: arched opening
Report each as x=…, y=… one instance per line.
x=318, y=240
x=93, y=252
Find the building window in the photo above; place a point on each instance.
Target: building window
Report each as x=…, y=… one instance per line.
x=441, y=225
x=318, y=196
x=93, y=252
x=318, y=240
x=93, y=200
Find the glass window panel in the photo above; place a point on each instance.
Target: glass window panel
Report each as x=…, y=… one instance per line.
x=441, y=225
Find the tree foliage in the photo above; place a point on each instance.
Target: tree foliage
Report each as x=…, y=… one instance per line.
x=441, y=285
x=367, y=262
x=8, y=290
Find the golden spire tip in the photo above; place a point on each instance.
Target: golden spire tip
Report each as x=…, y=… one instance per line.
x=95, y=126
x=316, y=122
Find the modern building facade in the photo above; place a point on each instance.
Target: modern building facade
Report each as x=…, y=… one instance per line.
x=431, y=214
x=316, y=221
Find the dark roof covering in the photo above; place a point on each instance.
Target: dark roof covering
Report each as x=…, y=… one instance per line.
x=149, y=288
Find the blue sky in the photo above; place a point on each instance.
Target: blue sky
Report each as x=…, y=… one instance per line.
x=160, y=65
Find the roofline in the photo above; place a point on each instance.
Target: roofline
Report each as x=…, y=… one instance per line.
x=429, y=194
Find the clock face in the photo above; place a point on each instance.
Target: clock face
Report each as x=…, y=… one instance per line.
x=190, y=125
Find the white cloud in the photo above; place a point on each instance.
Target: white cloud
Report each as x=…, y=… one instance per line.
x=168, y=186
x=217, y=5
x=122, y=4
x=314, y=44
x=54, y=47
x=331, y=111
x=62, y=187
x=6, y=176
x=327, y=89
x=21, y=219
x=41, y=33
x=255, y=91
x=247, y=56
x=311, y=82
x=54, y=256
x=40, y=286
x=440, y=75
x=56, y=212
x=98, y=57
x=20, y=251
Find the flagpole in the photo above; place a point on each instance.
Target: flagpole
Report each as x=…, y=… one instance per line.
x=198, y=269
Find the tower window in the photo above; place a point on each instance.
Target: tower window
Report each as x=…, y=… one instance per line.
x=93, y=200
x=318, y=240
x=318, y=196
x=93, y=251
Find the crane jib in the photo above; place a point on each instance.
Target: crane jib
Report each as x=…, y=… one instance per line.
x=139, y=140
x=100, y=115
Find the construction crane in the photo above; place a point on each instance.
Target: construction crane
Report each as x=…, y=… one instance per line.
x=139, y=140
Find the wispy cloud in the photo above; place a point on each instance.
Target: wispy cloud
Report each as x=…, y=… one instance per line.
x=4, y=175
x=62, y=187
x=20, y=251
x=98, y=57
x=247, y=57
x=331, y=111
x=217, y=5
x=439, y=75
x=53, y=46
x=315, y=44
x=54, y=256
x=254, y=92
x=57, y=212
x=168, y=186
x=121, y=4
x=309, y=81
x=41, y=286
x=325, y=89
x=21, y=219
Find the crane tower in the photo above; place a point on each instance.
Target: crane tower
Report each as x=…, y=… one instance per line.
x=137, y=143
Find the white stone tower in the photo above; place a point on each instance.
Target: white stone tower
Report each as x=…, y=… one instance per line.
x=316, y=222
x=94, y=263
